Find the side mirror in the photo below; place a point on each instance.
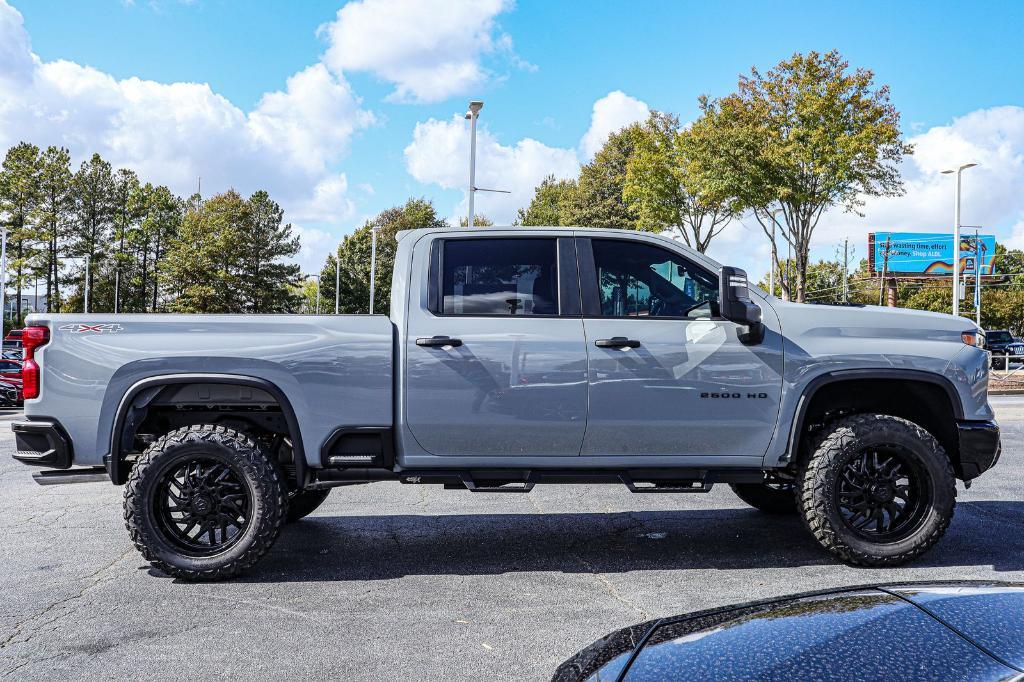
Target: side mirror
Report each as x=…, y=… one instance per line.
x=735, y=304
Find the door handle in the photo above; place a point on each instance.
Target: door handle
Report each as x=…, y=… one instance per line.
x=617, y=342
x=438, y=341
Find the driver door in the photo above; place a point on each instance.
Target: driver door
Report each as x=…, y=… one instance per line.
x=667, y=375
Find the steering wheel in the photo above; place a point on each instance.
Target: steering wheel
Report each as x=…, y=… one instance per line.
x=655, y=306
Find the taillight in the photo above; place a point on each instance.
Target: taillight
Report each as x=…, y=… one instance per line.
x=31, y=338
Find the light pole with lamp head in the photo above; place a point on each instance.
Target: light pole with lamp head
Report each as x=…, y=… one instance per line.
x=956, y=236
x=472, y=115
x=317, y=277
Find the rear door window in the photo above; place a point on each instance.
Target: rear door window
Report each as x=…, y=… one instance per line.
x=505, y=277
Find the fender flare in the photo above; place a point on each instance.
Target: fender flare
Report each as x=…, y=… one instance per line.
x=837, y=376
x=114, y=461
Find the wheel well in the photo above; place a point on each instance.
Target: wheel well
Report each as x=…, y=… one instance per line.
x=925, y=403
x=156, y=407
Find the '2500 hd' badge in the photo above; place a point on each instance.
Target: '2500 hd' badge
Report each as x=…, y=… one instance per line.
x=83, y=328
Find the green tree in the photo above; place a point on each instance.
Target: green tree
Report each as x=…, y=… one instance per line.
x=353, y=256
x=807, y=135
x=226, y=257
x=267, y=283
x=89, y=239
x=19, y=196
x=596, y=200
x=128, y=207
x=53, y=217
x=660, y=190
x=203, y=260
x=549, y=203
x=164, y=213
x=478, y=221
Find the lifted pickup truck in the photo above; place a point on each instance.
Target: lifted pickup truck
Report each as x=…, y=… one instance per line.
x=514, y=357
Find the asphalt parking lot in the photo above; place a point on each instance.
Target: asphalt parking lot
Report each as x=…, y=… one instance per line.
x=414, y=582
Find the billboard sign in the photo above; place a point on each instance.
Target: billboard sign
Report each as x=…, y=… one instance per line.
x=929, y=254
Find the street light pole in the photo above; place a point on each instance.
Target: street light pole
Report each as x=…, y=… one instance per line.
x=88, y=259
x=956, y=236
x=3, y=276
x=472, y=115
x=337, y=282
x=373, y=259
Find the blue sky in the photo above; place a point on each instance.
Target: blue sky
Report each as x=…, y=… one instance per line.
x=541, y=67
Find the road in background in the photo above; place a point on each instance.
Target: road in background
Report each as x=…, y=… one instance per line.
x=388, y=581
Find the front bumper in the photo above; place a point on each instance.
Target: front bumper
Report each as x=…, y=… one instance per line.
x=979, y=448
x=42, y=443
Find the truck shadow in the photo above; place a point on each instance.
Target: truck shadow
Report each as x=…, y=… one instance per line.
x=384, y=547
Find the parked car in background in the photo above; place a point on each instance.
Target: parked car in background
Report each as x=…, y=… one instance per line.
x=933, y=631
x=10, y=368
x=12, y=348
x=1001, y=344
x=10, y=393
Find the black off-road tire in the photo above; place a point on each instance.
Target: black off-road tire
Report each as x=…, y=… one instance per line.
x=257, y=475
x=302, y=503
x=771, y=499
x=846, y=439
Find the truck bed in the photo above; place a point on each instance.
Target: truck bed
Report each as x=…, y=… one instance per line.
x=335, y=370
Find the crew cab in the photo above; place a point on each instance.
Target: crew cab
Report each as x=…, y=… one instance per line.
x=514, y=357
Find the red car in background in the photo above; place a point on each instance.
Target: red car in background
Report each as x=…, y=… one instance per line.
x=10, y=383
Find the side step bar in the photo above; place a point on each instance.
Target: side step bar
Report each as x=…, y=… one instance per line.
x=523, y=481
x=59, y=477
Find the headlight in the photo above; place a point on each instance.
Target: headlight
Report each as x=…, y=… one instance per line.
x=974, y=337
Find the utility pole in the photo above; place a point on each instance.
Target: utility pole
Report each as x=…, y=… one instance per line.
x=337, y=282
x=885, y=267
x=956, y=236
x=846, y=270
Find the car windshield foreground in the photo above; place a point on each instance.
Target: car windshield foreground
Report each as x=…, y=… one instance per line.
x=947, y=631
x=514, y=357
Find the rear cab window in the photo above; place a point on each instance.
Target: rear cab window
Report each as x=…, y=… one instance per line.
x=502, y=277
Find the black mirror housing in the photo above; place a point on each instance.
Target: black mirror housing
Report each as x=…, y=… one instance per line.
x=735, y=304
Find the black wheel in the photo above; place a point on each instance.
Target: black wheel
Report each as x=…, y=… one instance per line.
x=877, y=491
x=302, y=503
x=204, y=503
x=998, y=361
x=771, y=498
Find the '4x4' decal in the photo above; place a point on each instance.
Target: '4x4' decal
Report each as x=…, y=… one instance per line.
x=83, y=328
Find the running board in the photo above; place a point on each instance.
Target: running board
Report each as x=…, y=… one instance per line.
x=62, y=476
x=523, y=480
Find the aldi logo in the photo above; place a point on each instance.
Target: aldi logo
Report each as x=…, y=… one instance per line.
x=83, y=328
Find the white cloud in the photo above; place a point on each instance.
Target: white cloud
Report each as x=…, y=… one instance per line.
x=429, y=49
x=611, y=113
x=439, y=154
x=991, y=192
x=173, y=133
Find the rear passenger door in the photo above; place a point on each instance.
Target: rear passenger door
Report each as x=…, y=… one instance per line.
x=496, y=359
x=667, y=375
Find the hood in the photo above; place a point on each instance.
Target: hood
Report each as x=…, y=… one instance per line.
x=868, y=321
x=933, y=631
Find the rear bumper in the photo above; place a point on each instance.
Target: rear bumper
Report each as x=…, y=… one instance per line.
x=979, y=448
x=42, y=443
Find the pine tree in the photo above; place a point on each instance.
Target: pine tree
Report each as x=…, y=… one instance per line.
x=92, y=190
x=53, y=217
x=267, y=283
x=19, y=196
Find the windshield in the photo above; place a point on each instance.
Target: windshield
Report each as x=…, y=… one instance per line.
x=999, y=337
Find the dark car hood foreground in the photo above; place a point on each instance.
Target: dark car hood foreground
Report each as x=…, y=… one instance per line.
x=907, y=631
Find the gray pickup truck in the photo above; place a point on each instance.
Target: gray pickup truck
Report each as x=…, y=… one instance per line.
x=513, y=357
